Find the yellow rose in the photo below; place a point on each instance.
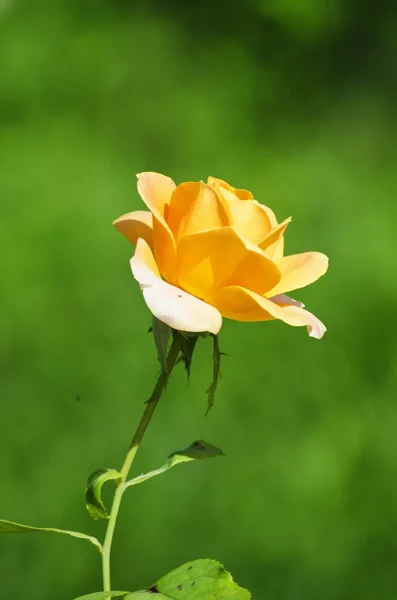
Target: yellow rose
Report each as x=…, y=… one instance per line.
x=204, y=251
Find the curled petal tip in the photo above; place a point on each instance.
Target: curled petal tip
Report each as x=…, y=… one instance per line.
x=316, y=329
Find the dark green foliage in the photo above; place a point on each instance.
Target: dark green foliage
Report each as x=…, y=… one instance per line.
x=216, y=372
x=161, y=334
x=188, y=346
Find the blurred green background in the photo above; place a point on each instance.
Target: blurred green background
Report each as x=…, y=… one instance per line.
x=294, y=100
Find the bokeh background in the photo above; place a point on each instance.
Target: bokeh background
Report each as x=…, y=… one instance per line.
x=295, y=100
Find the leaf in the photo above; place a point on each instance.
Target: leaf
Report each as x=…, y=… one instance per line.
x=11, y=527
x=203, y=579
x=216, y=373
x=198, y=450
x=102, y=596
x=187, y=349
x=202, y=334
x=93, y=493
x=145, y=596
x=161, y=333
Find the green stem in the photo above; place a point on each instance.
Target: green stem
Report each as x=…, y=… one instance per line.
x=136, y=440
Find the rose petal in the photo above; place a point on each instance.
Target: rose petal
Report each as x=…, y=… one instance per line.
x=248, y=218
x=156, y=190
x=218, y=258
x=270, y=214
x=134, y=225
x=169, y=304
x=283, y=300
x=276, y=250
x=195, y=207
x=243, y=305
x=241, y=194
x=271, y=243
x=299, y=270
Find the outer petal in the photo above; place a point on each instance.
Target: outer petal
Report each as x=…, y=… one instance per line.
x=242, y=305
x=134, y=225
x=195, y=207
x=283, y=300
x=156, y=190
x=218, y=258
x=300, y=270
x=168, y=303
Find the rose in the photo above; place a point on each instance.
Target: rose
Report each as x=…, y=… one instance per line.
x=209, y=250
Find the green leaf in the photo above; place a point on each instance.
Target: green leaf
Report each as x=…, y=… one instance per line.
x=161, y=333
x=93, y=493
x=202, y=334
x=216, y=373
x=10, y=527
x=198, y=580
x=199, y=450
x=102, y=596
x=145, y=596
x=187, y=349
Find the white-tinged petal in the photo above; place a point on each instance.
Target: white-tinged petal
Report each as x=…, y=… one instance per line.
x=314, y=326
x=170, y=304
x=284, y=300
x=240, y=304
x=317, y=328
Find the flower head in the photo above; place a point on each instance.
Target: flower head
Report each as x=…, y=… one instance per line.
x=207, y=250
